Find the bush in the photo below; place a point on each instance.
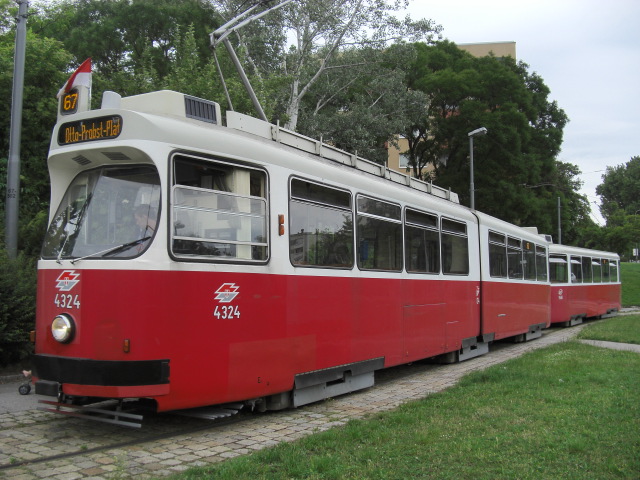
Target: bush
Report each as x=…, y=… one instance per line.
x=18, y=280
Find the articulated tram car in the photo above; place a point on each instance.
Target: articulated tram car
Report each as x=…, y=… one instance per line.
x=191, y=263
x=584, y=284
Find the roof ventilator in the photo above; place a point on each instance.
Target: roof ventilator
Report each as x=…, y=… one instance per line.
x=200, y=109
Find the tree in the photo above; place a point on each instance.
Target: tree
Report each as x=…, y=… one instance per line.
x=620, y=206
x=371, y=109
x=324, y=29
x=519, y=152
x=620, y=190
x=119, y=34
x=440, y=73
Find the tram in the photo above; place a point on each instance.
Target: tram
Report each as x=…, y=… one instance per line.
x=193, y=260
x=584, y=284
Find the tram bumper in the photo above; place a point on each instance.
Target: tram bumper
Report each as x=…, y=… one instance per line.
x=100, y=378
x=47, y=388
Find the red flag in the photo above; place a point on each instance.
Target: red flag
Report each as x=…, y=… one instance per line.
x=82, y=76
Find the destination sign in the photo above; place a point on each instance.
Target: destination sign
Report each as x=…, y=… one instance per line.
x=101, y=128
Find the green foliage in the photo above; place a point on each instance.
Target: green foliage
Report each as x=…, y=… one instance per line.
x=118, y=34
x=621, y=235
x=17, y=309
x=620, y=191
x=8, y=11
x=620, y=195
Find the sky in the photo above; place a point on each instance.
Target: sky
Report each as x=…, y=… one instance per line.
x=588, y=54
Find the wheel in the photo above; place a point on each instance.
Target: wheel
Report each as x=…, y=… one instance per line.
x=24, y=389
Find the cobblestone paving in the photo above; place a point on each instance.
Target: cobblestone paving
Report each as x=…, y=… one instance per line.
x=166, y=456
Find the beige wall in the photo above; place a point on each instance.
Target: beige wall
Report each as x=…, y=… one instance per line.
x=393, y=154
x=499, y=49
x=393, y=157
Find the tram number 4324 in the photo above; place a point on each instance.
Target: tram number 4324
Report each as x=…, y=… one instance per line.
x=226, y=312
x=67, y=301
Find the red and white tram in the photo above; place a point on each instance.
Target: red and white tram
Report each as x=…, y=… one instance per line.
x=584, y=284
x=193, y=263
x=515, y=285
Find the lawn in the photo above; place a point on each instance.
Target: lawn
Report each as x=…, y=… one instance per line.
x=623, y=328
x=564, y=412
x=630, y=277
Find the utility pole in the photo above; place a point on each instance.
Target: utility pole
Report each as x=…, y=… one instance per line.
x=559, y=223
x=13, y=167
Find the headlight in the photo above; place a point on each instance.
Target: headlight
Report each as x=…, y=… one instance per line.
x=63, y=329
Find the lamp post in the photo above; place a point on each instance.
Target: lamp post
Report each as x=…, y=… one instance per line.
x=478, y=132
x=637, y=244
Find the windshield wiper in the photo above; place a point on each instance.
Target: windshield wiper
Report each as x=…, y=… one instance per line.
x=78, y=219
x=113, y=250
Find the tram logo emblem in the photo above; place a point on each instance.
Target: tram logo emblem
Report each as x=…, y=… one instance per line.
x=67, y=280
x=227, y=292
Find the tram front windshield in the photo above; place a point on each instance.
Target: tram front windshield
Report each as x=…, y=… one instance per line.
x=110, y=212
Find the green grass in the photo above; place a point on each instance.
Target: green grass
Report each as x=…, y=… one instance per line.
x=564, y=412
x=630, y=277
x=624, y=329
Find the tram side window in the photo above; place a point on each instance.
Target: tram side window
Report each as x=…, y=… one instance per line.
x=558, y=271
x=321, y=226
x=605, y=271
x=541, y=263
x=576, y=270
x=379, y=235
x=219, y=211
x=597, y=270
x=497, y=255
x=529, y=250
x=514, y=257
x=455, y=248
x=587, y=275
x=422, y=242
x=613, y=271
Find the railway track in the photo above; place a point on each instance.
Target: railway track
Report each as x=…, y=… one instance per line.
x=48, y=438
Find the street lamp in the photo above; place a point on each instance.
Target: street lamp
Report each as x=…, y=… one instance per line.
x=478, y=131
x=637, y=244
